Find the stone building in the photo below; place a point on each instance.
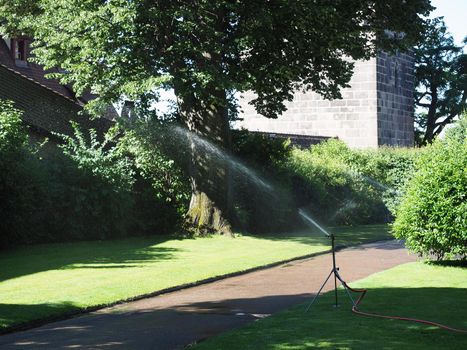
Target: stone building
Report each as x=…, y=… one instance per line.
x=376, y=110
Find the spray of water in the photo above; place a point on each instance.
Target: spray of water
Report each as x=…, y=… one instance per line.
x=308, y=219
x=225, y=158
x=372, y=182
x=183, y=135
x=349, y=205
x=220, y=155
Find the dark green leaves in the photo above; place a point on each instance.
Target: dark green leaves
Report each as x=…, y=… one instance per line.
x=127, y=49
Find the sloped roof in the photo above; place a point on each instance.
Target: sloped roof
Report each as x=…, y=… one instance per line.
x=33, y=71
x=48, y=106
x=44, y=109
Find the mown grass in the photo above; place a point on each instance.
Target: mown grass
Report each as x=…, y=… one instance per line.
x=436, y=293
x=42, y=281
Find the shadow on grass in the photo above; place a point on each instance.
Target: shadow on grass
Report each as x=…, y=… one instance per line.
x=450, y=263
x=345, y=235
x=120, y=253
x=15, y=314
x=324, y=326
x=327, y=327
x=133, y=252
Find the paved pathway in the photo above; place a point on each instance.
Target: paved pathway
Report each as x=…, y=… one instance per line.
x=174, y=320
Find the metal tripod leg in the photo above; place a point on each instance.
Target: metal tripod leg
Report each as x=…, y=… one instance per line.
x=319, y=291
x=345, y=287
x=336, y=275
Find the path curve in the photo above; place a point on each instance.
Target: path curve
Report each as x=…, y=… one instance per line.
x=175, y=320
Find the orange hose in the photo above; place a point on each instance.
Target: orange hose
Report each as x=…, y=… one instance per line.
x=358, y=312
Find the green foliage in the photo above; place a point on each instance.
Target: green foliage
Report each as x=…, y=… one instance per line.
x=162, y=180
x=387, y=170
x=432, y=217
x=14, y=192
x=340, y=185
x=258, y=209
x=13, y=137
x=211, y=46
x=440, y=79
x=100, y=160
x=158, y=160
x=260, y=149
x=330, y=188
x=336, y=184
x=89, y=187
x=92, y=186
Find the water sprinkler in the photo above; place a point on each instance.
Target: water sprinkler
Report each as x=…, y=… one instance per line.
x=362, y=292
x=335, y=268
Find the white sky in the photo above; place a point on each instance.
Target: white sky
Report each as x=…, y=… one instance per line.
x=455, y=16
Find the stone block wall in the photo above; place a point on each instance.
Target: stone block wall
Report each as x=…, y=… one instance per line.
x=374, y=111
x=395, y=86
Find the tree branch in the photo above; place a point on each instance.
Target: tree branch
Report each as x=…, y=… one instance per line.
x=427, y=105
x=422, y=96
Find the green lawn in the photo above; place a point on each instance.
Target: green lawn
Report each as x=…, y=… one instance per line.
x=415, y=290
x=53, y=279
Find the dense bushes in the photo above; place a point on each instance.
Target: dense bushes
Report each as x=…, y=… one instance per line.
x=432, y=216
x=266, y=206
x=134, y=182
x=163, y=188
x=336, y=184
x=344, y=186
x=90, y=189
x=15, y=180
x=83, y=189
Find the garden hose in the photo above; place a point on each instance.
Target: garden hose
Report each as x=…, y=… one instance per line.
x=358, y=312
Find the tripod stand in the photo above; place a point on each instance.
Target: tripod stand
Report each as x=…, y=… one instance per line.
x=335, y=272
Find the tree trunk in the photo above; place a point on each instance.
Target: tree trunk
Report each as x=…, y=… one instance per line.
x=210, y=143
x=431, y=117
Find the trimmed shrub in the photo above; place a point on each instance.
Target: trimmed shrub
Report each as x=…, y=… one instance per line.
x=325, y=182
x=432, y=217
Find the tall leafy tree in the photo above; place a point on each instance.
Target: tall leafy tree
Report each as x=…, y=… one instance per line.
x=206, y=51
x=441, y=80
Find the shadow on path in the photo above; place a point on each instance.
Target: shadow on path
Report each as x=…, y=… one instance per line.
x=323, y=326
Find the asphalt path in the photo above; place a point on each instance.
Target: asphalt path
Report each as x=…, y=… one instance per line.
x=178, y=319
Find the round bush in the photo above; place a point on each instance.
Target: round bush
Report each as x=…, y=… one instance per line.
x=432, y=217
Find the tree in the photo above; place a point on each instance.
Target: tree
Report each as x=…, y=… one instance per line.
x=206, y=51
x=440, y=80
